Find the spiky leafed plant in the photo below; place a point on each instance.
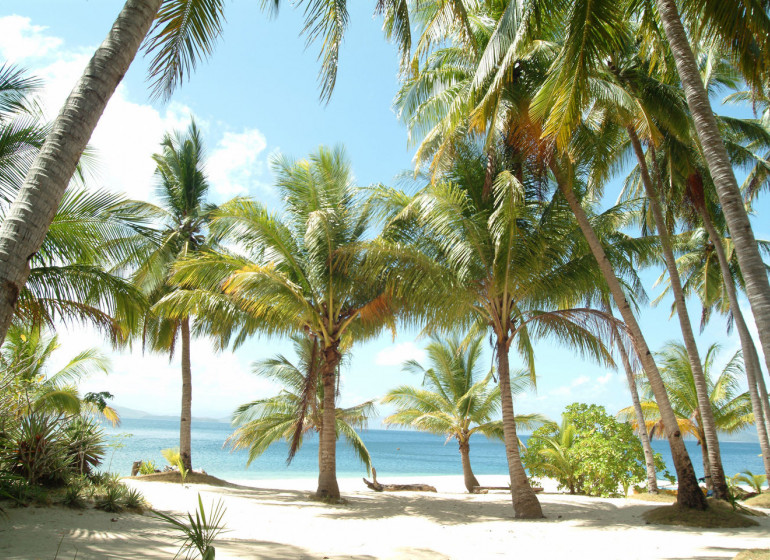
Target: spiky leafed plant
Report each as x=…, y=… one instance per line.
x=264, y=422
x=509, y=264
x=731, y=409
x=456, y=399
x=306, y=271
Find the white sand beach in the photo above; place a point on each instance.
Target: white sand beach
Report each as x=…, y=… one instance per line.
x=277, y=520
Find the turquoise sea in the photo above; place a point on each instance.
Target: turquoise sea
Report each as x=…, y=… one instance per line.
x=394, y=452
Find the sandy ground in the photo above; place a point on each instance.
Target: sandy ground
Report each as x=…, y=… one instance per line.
x=277, y=520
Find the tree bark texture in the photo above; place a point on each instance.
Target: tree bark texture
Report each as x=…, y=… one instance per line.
x=328, y=489
x=29, y=217
x=701, y=387
x=720, y=168
x=468, y=477
x=185, y=439
x=649, y=455
x=689, y=494
x=750, y=357
x=525, y=502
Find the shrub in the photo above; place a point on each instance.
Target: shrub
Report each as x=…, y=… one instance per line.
x=198, y=536
x=591, y=453
x=147, y=467
x=37, y=451
x=113, y=498
x=175, y=460
x=753, y=481
x=134, y=499
x=85, y=444
x=74, y=496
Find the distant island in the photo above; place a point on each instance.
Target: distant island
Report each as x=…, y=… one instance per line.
x=134, y=414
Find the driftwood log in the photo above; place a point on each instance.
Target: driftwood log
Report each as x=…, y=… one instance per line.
x=485, y=489
x=377, y=487
x=135, y=468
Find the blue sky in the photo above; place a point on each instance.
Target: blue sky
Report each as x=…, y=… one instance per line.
x=258, y=95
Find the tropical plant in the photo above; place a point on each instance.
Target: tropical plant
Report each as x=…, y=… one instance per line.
x=731, y=409
x=263, y=422
x=174, y=459
x=456, y=399
x=305, y=272
x=183, y=218
x=753, y=481
x=590, y=453
x=198, y=536
x=508, y=263
x=147, y=467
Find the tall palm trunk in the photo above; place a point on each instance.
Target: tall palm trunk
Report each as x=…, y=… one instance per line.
x=185, y=439
x=689, y=494
x=465, y=455
x=704, y=451
x=649, y=456
x=759, y=402
x=749, y=259
x=716, y=474
x=328, y=488
x=525, y=502
x=27, y=221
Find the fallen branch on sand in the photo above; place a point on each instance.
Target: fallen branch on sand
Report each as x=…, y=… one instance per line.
x=377, y=487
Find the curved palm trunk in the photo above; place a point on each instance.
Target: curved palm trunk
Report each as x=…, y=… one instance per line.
x=468, y=477
x=30, y=216
x=649, y=456
x=716, y=471
x=525, y=502
x=704, y=451
x=185, y=440
x=749, y=259
x=689, y=494
x=327, y=440
x=759, y=402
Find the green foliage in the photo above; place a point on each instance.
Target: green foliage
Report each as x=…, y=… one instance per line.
x=591, y=453
x=174, y=459
x=147, y=467
x=134, y=499
x=198, y=535
x=753, y=481
x=85, y=444
x=112, y=498
x=35, y=449
x=74, y=495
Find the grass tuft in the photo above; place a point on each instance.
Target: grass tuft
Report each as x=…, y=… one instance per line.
x=761, y=500
x=754, y=554
x=719, y=514
x=659, y=498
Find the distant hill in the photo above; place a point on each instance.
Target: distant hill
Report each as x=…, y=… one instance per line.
x=134, y=414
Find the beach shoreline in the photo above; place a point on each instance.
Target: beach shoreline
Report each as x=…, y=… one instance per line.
x=279, y=519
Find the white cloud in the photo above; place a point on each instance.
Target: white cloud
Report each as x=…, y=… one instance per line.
x=582, y=380
x=606, y=378
x=234, y=167
x=20, y=40
x=398, y=354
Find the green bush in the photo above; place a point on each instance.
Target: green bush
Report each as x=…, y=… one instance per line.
x=113, y=498
x=147, y=467
x=36, y=450
x=85, y=441
x=591, y=453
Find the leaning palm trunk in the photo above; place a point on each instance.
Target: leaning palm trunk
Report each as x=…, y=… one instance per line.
x=715, y=154
x=525, y=502
x=468, y=477
x=27, y=222
x=751, y=360
x=715, y=475
x=185, y=419
x=327, y=440
x=689, y=494
x=649, y=456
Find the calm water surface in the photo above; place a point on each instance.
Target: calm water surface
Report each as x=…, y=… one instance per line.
x=393, y=453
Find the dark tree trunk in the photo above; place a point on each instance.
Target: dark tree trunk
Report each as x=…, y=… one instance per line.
x=468, y=477
x=328, y=488
x=525, y=502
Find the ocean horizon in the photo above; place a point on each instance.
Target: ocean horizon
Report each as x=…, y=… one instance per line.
x=394, y=453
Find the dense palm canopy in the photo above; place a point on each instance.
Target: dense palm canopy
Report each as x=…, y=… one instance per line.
x=263, y=422
x=456, y=398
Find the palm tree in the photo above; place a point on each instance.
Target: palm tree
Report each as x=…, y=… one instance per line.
x=183, y=218
x=262, y=422
x=306, y=272
x=554, y=456
x=455, y=400
x=732, y=410
x=510, y=265
x=507, y=77
x=722, y=23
